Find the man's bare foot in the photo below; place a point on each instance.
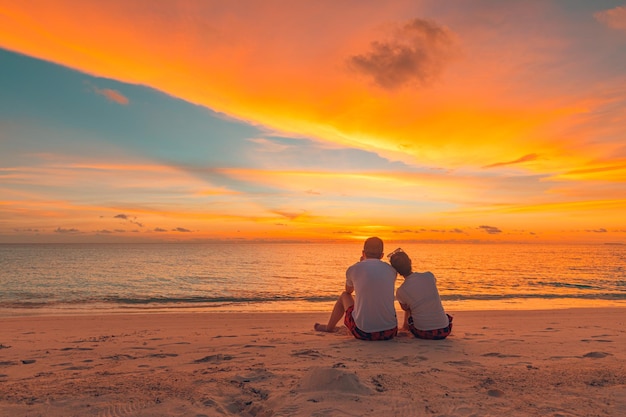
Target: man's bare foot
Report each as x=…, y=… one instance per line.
x=324, y=328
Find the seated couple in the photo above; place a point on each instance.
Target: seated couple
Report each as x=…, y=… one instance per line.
x=371, y=314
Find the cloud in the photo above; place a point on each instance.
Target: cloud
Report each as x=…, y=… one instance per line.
x=112, y=95
x=126, y=217
x=613, y=18
x=66, y=231
x=415, y=53
x=600, y=230
x=406, y=231
x=490, y=229
x=181, y=229
x=525, y=158
x=290, y=215
x=160, y=230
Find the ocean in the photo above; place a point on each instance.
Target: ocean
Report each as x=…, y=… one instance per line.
x=114, y=278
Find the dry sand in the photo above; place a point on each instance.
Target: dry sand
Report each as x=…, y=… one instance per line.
x=511, y=363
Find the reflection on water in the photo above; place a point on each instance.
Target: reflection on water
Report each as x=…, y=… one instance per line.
x=299, y=276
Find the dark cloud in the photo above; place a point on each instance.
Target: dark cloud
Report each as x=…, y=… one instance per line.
x=181, y=229
x=525, y=158
x=490, y=229
x=126, y=217
x=600, y=230
x=66, y=231
x=456, y=231
x=415, y=53
x=158, y=229
x=405, y=231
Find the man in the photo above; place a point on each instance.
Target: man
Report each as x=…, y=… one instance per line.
x=370, y=314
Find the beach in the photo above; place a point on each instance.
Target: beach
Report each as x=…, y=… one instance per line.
x=566, y=362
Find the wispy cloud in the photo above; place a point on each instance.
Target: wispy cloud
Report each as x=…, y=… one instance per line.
x=112, y=95
x=613, y=18
x=525, y=158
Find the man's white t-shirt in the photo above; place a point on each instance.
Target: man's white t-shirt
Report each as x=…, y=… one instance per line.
x=374, y=285
x=419, y=292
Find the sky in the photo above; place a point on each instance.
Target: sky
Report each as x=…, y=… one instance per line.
x=202, y=120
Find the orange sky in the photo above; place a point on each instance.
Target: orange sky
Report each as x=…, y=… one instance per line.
x=508, y=116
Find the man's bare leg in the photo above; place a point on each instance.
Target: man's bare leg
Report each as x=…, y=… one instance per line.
x=343, y=303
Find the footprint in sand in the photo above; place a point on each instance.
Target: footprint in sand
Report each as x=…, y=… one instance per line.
x=463, y=363
x=74, y=348
x=495, y=393
x=162, y=355
x=597, y=340
x=307, y=352
x=332, y=379
x=402, y=407
x=596, y=355
x=120, y=357
x=214, y=358
x=128, y=409
x=499, y=355
x=78, y=368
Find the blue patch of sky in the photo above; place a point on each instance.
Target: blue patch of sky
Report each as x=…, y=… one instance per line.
x=51, y=109
x=64, y=103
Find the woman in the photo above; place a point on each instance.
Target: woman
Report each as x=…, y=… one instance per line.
x=418, y=296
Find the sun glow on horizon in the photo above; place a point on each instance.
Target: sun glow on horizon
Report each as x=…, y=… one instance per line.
x=208, y=120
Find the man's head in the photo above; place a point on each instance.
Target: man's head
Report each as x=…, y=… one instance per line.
x=401, y=263
x=373, y=248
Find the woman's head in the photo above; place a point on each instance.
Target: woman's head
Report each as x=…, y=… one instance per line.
x=401, y=263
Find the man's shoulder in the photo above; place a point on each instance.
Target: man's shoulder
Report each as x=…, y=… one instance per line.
x=371, y=265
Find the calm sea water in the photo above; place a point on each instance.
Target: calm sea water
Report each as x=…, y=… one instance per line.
x=108, y=278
